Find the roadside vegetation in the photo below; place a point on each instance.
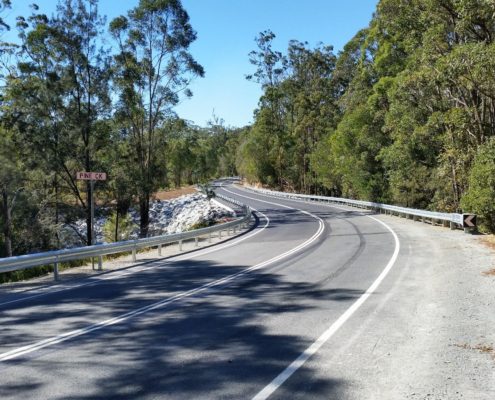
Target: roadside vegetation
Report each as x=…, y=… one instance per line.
x=80, y=94
x=404, y=114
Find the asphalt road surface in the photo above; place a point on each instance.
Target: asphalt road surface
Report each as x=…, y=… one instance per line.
x=313, y=302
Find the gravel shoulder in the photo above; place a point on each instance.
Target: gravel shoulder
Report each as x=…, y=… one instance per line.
x=429, y=332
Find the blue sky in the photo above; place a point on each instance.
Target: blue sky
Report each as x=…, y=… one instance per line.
x=226, y=31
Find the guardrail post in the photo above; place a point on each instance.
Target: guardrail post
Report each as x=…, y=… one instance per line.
x=159, y=249
x=220, y=234
x=196, y=242
x=55, y=270
x=209, y=237
x=180, y=245
x=134, y=254
x=100, y=263
x=452, y=225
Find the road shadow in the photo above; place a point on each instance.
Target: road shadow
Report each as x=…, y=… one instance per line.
x=227, y=341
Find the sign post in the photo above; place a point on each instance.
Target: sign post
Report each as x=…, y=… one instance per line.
x=92, y=177
x=92, y=206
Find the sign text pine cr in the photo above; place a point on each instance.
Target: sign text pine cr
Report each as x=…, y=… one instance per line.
x=91, y=176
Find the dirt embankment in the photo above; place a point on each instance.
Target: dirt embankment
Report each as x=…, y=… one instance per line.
x=174, y=193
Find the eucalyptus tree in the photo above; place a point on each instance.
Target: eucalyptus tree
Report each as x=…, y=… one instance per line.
x=153, y=68
x=84, y=69
x=7, y=50
x=269, y=126
x=310, y=109
x=4, y=5
x=59, y=96
x=11, y=184
x=296, y=109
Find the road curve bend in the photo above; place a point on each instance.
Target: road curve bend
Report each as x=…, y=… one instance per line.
x=274, y=313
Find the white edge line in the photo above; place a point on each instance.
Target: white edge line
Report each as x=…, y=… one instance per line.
x=325, y=336
x=15, y=353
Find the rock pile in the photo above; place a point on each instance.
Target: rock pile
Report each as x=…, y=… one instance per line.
x=176, y=215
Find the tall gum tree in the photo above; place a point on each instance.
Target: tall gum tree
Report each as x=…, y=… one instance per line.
x=59, y=98
x=152, y=70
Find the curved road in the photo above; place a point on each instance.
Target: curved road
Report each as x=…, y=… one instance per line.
x=274, y=313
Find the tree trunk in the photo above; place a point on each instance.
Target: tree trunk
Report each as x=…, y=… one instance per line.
x=144, y=212
x=57, y=211
x=117, y=226
x=7, y=228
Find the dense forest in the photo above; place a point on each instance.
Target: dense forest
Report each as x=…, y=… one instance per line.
x=404, y=114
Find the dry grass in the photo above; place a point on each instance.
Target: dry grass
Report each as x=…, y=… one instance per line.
x=490, y=272
x=174, y=193
x=489, y=241
x=482, y=348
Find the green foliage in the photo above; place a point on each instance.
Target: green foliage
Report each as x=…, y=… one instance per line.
x=200, y=225
x=70, y=105
x=296, y=111
x=152, y=67
x=118, y=227
x=405, y=114
x=57, y=98
x=480, y=197
x=398, y=116
x=16, y=276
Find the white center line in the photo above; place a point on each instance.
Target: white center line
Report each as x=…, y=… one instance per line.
x=18, y=352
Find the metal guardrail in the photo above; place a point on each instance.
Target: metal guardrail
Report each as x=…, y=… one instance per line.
x=452, y=219
x=55, y=257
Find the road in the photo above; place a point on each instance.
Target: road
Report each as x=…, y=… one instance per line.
x=314, y=302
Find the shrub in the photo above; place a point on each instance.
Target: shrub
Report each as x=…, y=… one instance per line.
x=124, y=229
x=480, y=197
